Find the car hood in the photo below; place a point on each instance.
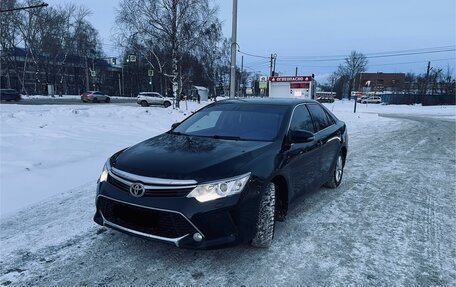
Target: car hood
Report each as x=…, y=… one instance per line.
x=202, y=159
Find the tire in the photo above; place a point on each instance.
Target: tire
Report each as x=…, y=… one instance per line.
x=108, y=99
x=337, y=173
x=144, y=104
x=95, y=100
x=166, y=104
x=266, y=218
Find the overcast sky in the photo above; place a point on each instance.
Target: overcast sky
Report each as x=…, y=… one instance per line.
x=297, y=30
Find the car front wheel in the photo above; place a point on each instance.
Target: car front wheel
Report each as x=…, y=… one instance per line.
x=266, y=218
x=338, y=172
x=95, y=100
x=108, y=99
x=166, y=104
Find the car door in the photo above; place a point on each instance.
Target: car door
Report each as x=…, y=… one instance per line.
x=299, y=159
x=328, y=138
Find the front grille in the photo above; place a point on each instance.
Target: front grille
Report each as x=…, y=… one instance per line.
x=151, y=192
x=150, y=221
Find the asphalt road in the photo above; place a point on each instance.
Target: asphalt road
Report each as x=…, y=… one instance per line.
x=68, y=101
x=392, y=222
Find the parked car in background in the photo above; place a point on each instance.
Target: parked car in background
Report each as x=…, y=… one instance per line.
x=9, y=95
x=94, y=97
x=146, y=99
x=360, y=99
x=325, y=99
x=372, y=100
x=224, y=175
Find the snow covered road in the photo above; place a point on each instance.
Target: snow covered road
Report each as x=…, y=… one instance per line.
x=390, y=223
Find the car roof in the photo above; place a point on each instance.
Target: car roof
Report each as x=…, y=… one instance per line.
x=270, y=101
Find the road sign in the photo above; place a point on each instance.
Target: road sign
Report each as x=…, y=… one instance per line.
x=263, y=82
x=132, y=58
x=93, y=73
x=150, y=73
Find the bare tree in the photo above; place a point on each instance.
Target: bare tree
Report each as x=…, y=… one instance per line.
x=354, y=64
x=172, y=25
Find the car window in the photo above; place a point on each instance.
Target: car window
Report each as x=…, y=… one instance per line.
x=301, y=119
x=319, y=117
x=234, y=121
x=208, y=121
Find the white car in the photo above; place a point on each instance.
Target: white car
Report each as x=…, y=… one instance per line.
x=372, y=100
x=146, y=99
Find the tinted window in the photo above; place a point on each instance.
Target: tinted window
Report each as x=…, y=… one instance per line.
x=319, y=117
x=301, y=119
x=243, y=121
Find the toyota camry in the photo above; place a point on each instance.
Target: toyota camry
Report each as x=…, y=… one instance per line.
x=224, y=175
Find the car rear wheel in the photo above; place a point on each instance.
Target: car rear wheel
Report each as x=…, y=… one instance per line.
x=166, y=104
x=144, y=104
x=95, y=100
x=338, y=172
x=108, y=99
x=266, y=218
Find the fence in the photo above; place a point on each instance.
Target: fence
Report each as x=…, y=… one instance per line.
x=425, y=100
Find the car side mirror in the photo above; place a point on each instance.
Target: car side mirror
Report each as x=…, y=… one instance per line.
x=174, y=125
x=300, y=136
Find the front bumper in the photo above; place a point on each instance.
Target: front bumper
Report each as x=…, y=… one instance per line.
x=177, y=219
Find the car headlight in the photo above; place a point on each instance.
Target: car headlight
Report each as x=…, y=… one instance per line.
x=105, y=172
x=218, y=189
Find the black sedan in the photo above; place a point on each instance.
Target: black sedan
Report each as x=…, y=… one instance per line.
x=224, y=175
x=9, y=95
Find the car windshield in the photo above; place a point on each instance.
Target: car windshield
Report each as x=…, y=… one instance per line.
x=235, y=122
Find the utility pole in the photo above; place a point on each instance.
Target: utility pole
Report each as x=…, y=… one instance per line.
x=87, y=74
x=356, y=97
x=296, y=72
x=240, y=76
x=270, y=67
x=233, y=51
x=427, y=77
x=275, y=59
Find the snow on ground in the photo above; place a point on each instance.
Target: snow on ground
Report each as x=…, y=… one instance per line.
x=47, y=150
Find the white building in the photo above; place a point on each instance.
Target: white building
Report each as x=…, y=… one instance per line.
x=292, y=86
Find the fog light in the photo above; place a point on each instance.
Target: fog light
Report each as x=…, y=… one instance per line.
x=197, y=237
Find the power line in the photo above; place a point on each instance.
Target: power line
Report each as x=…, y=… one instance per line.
x=373, y=56
x=368, y=55
x=24, y=8
x=252, y=55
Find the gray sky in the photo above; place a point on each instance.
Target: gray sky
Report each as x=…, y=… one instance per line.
x=299, y=31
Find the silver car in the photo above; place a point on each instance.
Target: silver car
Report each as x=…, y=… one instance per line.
x=146, y=99
x=94, y=97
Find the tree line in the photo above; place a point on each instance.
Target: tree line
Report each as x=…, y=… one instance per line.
x=41, y=45
x=434, y=82
x=167, y=46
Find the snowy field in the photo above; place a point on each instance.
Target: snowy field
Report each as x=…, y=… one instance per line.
x=391, y=222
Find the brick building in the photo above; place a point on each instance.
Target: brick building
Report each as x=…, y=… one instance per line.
x=380, y=82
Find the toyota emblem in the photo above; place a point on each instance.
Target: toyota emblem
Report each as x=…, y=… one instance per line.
x=137, y=189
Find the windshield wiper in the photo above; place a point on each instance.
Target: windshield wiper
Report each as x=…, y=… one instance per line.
x=177, y=133
x=225, y=137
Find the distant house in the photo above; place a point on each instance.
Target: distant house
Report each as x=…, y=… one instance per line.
x=379, y=82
